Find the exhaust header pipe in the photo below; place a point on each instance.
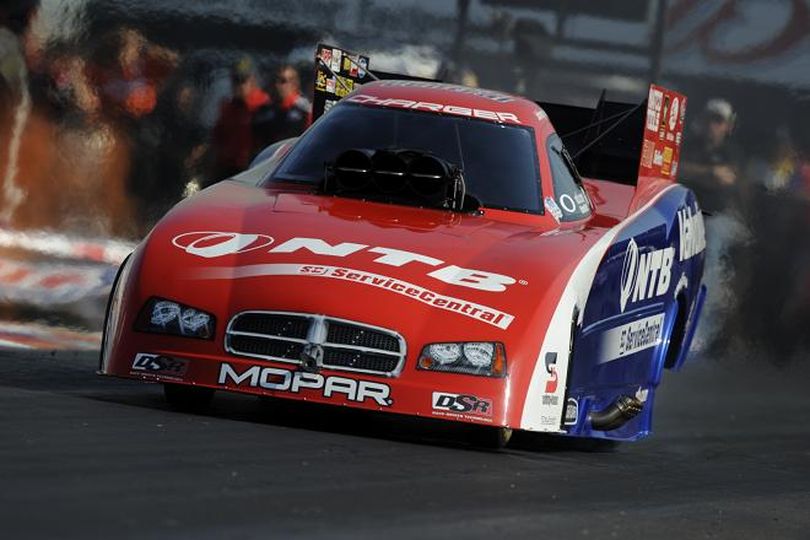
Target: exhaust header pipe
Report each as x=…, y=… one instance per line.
x=621, y=411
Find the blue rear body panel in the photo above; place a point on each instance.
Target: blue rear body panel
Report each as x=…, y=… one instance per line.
x=640, y=316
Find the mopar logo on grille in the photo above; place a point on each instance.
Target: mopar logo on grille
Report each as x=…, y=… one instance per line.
x=284, y=380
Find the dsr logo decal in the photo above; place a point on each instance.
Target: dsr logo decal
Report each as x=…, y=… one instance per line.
x=212, y=244
x=156, y=364
x=645, y=275
x=462, y=403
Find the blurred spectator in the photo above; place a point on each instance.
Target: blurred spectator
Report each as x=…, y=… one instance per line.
x=72, y=166
x=800, y=179
x=288, y=115
x=132, y=83
x=182, y=146
x=776, y=168
x=233, y=139
x=711, y=162
x=131, y=73
x=63, y=87
x=15, y=100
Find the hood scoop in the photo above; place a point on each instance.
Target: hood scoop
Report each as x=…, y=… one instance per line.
x=399, y=176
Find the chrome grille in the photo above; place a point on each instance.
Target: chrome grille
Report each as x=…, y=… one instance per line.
x=352, y=334
x=286, y=337
x=288, y=326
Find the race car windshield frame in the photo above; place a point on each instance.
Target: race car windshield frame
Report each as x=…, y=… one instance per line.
x=499, y=161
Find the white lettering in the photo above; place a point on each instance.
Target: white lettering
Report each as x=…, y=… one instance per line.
x=404, y=103
x=251, y=374
x=303, y=379
x=508, y=117
x=398, y=257
x=435, y=107
x=377, y=391
x=461, y=111
x=645, y=275
x=341, y=386
x=692, y=231
x=475, y=279
x=217, y=244
x=455, y=275
x=265, y=381
x=287, y=381
x=666, y=271
x=318, y=247
x=632, y=338
x=486, y=115
x=655, y=268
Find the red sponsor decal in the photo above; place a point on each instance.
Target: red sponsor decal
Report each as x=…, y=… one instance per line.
x=663, y=132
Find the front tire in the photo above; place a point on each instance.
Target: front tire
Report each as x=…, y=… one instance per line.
x=188, y=398
x=494, y=438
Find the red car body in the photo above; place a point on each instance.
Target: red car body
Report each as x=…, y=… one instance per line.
x=533, y=283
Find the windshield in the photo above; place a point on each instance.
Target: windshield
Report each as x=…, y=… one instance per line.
x=499, y=161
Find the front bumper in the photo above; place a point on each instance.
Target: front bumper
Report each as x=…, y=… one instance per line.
x=168, y=359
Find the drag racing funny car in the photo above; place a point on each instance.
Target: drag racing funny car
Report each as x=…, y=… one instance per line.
x=431, y=250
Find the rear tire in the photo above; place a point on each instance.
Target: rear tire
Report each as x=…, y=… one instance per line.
x=188, y=398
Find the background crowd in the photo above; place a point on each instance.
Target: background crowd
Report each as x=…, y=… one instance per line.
x=103, y=136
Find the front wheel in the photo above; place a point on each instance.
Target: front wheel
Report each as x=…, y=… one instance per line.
x=493, y=438
x=188, y=398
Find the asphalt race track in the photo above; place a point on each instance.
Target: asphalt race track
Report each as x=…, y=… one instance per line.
x=86, y=457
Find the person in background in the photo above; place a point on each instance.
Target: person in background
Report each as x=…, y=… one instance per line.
x=289, y=114
x=132, y=83
x=183, y=144
x=15, y=102
x=233, y=138
x=711, y=161
x=800, y=178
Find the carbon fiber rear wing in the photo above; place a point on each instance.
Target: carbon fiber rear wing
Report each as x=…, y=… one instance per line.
x=623, y=142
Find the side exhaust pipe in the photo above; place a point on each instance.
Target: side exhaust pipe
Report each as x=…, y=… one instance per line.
x=621, y=411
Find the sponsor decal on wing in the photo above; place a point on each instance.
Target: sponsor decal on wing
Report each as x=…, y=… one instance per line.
x=631, y=338
x=692, y=233
x=645, y=275
x=655, y=103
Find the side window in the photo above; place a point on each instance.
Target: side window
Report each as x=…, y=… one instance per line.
x=569, y=194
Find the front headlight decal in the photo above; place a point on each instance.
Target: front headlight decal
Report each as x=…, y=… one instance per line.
x=471, y=358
